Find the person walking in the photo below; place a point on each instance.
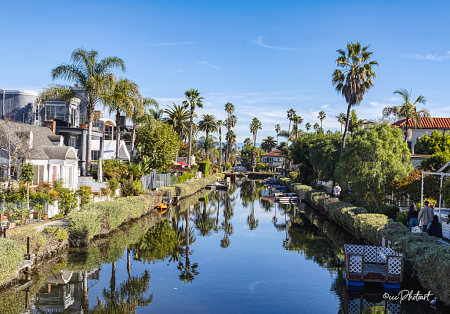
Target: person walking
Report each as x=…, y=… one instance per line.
x=412, y=216
x=337, y=190
x=425, y=216
x=434, y=228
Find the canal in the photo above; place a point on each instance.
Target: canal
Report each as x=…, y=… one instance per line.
x=216, y=252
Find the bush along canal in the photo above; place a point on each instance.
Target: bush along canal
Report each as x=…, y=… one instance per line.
x=215, y=252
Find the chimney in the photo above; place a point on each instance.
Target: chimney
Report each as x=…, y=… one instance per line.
x=97, y=115
x=51, y=125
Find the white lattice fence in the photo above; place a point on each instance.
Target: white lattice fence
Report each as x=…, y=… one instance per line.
x=394, y=265
x=355, y=263
x=354, y=306
x=393, y=308
x=370, y=254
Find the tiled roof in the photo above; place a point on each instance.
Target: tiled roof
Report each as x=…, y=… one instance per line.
x=419, y=156
x=274, y=153
x=437, y=123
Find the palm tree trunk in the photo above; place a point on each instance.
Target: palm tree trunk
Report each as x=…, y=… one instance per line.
x=320, y=123
x=406, y=131
x=117, y=133
x=28, y=197
x=206, y=148
x=133, y=139
x=85, y=300
x=277, y=138
x=113, y=278
x=89, y=143
x=220, y=148
x=289, y=132
x=344, y=137
x=341, y=127
x=191, y=122
x=228, y=140
x=187, y=236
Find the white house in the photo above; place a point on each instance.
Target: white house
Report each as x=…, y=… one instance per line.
x=40, y=147
x=274, y=160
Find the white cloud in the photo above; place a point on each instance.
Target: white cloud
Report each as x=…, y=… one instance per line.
x=206, y=63
x=325, y=106
x=259, y=41
x=431, y=57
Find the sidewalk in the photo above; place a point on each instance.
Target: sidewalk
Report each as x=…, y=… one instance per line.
x=61, y=223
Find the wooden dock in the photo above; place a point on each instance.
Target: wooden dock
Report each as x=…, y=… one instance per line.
x=369, y=263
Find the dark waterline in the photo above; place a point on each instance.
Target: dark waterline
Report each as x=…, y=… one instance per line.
x=246, y=254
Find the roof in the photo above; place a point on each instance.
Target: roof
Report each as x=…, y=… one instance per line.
x=419, y=156
x=19, y=137
x=274, y=153
x=61, y=152
x=427, y=123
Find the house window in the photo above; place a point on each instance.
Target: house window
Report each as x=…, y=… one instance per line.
x=72, y=141
x=410, y=145
x=55, y=112
x=73, y=116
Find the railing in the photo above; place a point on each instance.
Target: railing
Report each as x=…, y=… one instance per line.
x=156, y=180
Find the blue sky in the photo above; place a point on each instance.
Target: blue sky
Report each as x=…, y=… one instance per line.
x=263, y=56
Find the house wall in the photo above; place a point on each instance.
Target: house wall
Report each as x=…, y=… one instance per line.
x=19, y=106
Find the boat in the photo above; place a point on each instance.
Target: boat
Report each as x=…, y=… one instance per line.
x=161, y=208
x=219, y=185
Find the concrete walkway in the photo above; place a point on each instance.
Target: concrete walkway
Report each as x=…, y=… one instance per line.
x=61, y=223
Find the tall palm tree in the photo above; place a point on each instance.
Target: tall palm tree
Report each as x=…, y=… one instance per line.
x=297, y=120
x=268, y=143
x=407, y=110
x=219, y=126
x=307, y=126
x=355, y=124
x=355, y=79
x=290, y=115
x=322, y=115
x=194, y=100
x=155, y=112
x=208, y=125
x=254, y=127
x=179, y=118
x=316, y=126
x=341, y=119
x=231, y=139
x=229, y=109
x=122, y=96
x=247, y=141
x=91, y=75
x=207, y=144
x=277, y=129
x=232, y=121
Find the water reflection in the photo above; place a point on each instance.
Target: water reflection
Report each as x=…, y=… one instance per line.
x=301, y=255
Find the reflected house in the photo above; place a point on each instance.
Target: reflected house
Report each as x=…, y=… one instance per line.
x=63, y=290
x=356, y=302
x=274, y=160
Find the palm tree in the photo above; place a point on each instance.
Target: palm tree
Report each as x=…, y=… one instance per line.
x=290, y=115
x=268, y=144
x=254, y=127
x=322, y=115
x=208, y=125
x=207, y=144
x=341, y=119
x=355, y=79
x=316, y=127
x=247, y=141
x=232, y=121
x=91, y=75
x=178, y=117
x=219, y=126
x=122, y=96
x=297, y=120
x=277, y=129
x=407, y=110
x=231, y=139
x=307, y=126
x=355, y=124
x=229, y=108
x=139, y=117
x=155, y=112
x=194, y=100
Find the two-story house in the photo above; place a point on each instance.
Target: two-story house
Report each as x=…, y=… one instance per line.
x=274, y=160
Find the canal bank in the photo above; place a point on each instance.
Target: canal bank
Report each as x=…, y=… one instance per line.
x=426, y=260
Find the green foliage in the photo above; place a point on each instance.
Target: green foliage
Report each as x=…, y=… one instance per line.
x=435, y=161
x=58, y=233
x=130, y=188
x=445, y=191
x=189, y=187
x=389, y=210
x=159, y=142
x=293, y=175
x=402, y=217
x=58, y=216
x=186, y=176
x=113, y=185
x=37, y=239
x=204, y=167
x=85, y=193
x=60, y=266
x=373, y=158
x=67, y=199
x=11, y=255
x=194, y=169
x=368, y=226
x=28, y=173
x=429, y=145
x=227, y=166
x=251, y=156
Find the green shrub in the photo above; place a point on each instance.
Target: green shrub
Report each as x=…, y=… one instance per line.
x=301, y=187
x=58, y=216
x=203, y=166
x=402, y=217
x=186, y=176
x=37, y=239
x=67, y=200
x=85, y=193
x=433, y=270
x=389, y=210
x=227, y=166
x=58, y=233
x=194, y=169
x=319, y=187
x=130, y=188
x=293, y=175
x=11, y=255
x=113, y=185
x=368, y=227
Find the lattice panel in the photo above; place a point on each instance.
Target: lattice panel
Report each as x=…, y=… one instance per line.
x=370, y=254
x=354, y=248
x=383, y=252
x=367, y=304
x=355, y=264
x=394, y=265
x=393, y=308
x=354, y=306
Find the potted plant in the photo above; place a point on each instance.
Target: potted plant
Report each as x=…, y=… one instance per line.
x=42, y=214
x=11, y=222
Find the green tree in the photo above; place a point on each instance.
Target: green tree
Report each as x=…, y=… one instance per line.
x=268, y=143
x=322, y=115
x=290, y=116
x=407, y=110
x=341, y=119
x=138, y=118
x=219, y=127
x=91, y=75
x=208, y=125
x=297, y=121
x=277, y=130
x=355, y=79
x=229, y=109
x=157, y=141
x=373, y=158
x=27, y=175
x=324, y=153
x=254, y=127
x=193, y=100
x=178, y=117
x=316, y=127
x=122, y=96
x=355, y=124
x=307, y=126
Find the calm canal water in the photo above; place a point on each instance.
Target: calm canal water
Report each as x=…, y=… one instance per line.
x=244, y=254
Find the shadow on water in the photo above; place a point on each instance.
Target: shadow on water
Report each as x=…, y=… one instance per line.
x=71, y=283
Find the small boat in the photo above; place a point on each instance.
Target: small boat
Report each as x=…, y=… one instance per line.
x=161, y=208
x=219, y=185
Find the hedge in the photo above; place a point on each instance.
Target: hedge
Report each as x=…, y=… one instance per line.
x=11, y=255
x=203, y=166
x=190, y=187
x=103, y=217
x=425, y=259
